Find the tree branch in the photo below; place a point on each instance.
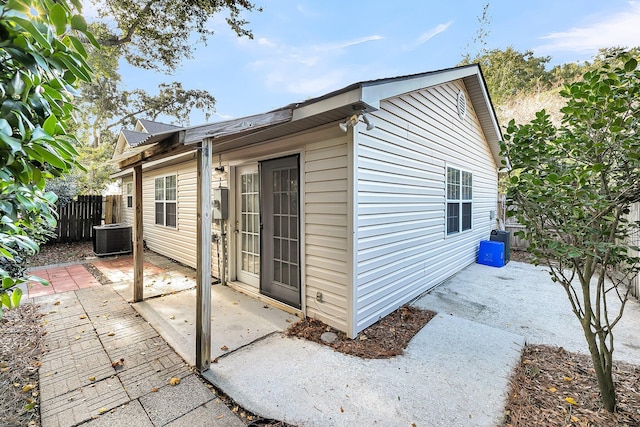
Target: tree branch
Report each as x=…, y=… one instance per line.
x=132, y=28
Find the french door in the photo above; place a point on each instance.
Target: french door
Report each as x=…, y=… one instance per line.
x=279, y=257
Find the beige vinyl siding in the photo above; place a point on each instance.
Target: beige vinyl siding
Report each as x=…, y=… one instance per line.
x=176, y=243
x=126, y=214
x=325, y=225
x=401, y=242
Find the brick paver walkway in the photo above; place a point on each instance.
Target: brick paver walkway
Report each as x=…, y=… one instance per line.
x=104, y=364
x=63, y=278
x=120, y=269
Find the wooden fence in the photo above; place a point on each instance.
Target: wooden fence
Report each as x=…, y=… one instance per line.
x=511, y=225
x=77, y=218
x=112, y=205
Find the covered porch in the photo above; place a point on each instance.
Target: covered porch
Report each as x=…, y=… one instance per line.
x=170, y=306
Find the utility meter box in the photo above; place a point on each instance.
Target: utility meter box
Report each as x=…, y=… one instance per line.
x=220, y=203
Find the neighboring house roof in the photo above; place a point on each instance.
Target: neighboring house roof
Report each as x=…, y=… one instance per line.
x=332, y=107
x=155, y=127
x=133, y=137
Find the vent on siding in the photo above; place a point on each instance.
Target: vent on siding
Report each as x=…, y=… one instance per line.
x=462, y=105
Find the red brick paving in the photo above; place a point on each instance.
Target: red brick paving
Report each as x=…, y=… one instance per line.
x=76, y=276
x=61, y=279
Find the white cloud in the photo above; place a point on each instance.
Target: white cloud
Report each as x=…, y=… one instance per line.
x=305, y=70
x=618, y=29
x=428, y=35
x=348, y=43
x=263, y=41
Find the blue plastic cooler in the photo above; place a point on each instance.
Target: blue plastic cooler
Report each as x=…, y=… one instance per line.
x=491, y=253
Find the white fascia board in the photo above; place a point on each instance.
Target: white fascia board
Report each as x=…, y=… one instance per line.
x=374, y=93
x=328, y=104
x=489, y=107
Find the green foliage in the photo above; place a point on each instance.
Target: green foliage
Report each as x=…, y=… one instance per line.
x=572, y=186
x=65, y=188
x=42, y=60
x=96, y=178
x=156, y=34
x=509, y=72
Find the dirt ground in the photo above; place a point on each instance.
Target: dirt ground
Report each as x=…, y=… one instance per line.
x=550, y=386
x=20, y=351
x=60, y=253
x=384, y=339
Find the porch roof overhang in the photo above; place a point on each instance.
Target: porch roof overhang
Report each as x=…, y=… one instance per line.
x=235, y=134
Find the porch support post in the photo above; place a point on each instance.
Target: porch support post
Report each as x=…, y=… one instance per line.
x=138, y=255
x=203, y=278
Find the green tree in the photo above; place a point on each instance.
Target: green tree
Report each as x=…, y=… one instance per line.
x=572, y=186
x=155, y=35
x=42, y=62
x=510, y=72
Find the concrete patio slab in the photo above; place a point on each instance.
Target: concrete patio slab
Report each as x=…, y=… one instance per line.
x=171, y=402
x=454, y=372
x=211, y=414
x=236, y=320
x=521, y=298
x=130, y=415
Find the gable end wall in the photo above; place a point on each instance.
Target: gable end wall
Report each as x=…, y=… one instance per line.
x=401, y=246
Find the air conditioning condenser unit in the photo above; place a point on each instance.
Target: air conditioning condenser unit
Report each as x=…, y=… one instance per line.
x=111, y=239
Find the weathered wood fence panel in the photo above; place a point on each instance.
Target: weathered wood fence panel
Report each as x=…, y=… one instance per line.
x=511, y=225
x=112, y=206
x=77, y=218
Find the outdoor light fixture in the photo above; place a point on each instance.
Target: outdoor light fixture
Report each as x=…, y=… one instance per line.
x=219, y=170
x=370, y=125
x=353, y=120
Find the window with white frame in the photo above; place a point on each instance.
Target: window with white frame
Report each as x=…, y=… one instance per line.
x=129, y=194
x=166, y=201
x=459, y=200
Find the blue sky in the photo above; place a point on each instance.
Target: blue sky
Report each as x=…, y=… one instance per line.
x=303, y=49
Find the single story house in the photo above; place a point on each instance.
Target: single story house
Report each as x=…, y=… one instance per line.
x=342, y=207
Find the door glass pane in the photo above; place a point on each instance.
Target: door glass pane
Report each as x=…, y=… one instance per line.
x=285, y=203
x=285, y=274
x=250, y=223
x=293, y=251
x=276, y=271
x=276, y=248
x=276, y=181
x=284, y=252
x=276, y=226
